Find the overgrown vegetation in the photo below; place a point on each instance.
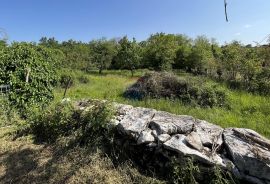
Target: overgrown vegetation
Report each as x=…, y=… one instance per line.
x=245, y=110
x=8, y=114
x=207, y=74
x=168, y=85
x=240, y=66
x=64, y=119
x=31, y=73
x=186, y=171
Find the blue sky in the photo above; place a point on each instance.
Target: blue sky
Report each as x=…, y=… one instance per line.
x=28, y=20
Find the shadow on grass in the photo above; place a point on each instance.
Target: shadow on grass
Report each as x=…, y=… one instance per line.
x=71, y=163
x=18, y=164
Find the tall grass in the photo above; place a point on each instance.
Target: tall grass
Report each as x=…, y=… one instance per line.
x=246, y=110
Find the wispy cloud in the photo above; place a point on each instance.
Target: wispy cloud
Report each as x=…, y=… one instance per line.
x=247, y=26
x=237, y=34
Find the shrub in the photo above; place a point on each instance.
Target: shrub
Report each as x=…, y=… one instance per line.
x=185, y=172
x=167, y=85
x=221, y=177
x=263, y=81
x=83, y=79
x=66, y=80
x=63, y=119
x=30, y=71
x=8, y=114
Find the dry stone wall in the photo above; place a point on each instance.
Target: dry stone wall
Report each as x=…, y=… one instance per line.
x=243, y=152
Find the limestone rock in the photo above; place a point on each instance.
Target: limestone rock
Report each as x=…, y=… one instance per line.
x=178, y=144
x=145, y=137
x=209, y=133
x=250, y=152
x=194, y=140
x=163, y=137
x=135, y=121
x=166, y=123
x=243, y=151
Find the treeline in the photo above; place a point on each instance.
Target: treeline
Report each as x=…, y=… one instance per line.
x=241, y=66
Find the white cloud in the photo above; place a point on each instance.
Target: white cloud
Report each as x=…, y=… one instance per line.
x=247, y=26
x=237, y=34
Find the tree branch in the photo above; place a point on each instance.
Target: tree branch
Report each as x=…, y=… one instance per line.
x=225, y=6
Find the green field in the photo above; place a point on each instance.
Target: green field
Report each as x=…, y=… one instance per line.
x=246, y=110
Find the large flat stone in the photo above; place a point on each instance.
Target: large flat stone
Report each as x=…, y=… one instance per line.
x=178, y=144
x=135, y=121
x=249, y=151
x=166, y=123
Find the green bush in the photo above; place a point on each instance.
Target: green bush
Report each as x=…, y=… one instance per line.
x=167, y=85
x=263, y=82
x=83, y=79
x=220, y=176
x=8, y=114
x=185, y=172
x=30, y=71
x=66, y=80
x=63, y=119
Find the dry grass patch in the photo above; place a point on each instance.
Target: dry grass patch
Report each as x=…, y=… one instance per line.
x=22, y=161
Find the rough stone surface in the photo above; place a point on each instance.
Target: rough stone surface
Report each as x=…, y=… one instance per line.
x=242, y=151
x=249, y=151
x=194, y=140
x=178, y=144
x=135, y=121
x=145, y=137
x=163, y=138
x=209, y=133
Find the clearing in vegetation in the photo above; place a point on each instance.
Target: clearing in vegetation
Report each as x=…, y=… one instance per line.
x=244, y=109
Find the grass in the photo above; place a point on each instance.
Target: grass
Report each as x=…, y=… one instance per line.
x=23, y=161
x=246, y=110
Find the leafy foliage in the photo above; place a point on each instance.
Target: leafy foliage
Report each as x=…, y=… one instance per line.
x=128, y=56
x=30, y=70
x=201, y=55
x=238, y=65
x=8, y=114
x=103, y=53
x=186, y=172
x=67, y=80
x=63, y=119
x=160, y=51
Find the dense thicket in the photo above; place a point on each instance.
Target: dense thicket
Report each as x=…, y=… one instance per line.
x=241, y=66
x=30, y=71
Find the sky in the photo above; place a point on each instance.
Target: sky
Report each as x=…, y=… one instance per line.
x=84, y=20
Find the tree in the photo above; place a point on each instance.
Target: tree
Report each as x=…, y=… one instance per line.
x=103, y=53
x=49, y=42
x=3, y=44
x=201, y=57
x=232, y=57
x=78, y=55
x=160, y=51
x=251, y=65
x=128, y=56
x=184, y=46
